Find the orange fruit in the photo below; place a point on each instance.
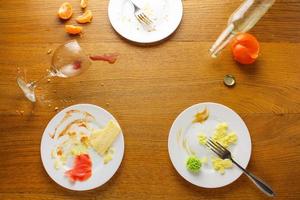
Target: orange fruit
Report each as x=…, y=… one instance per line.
x=85, y=17
x=245, y=48
x=65, y=11
x=83, y=3
x=73, y=30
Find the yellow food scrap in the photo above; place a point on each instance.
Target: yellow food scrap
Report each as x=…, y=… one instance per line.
x=78, y=149
x=53, y=154
x=84, y=139
x=102, y=139
x=57, y=164
x=222, y=136
x=107, y=157
x=203, y=160
x=201, y=117
x=220, y=165
x=202, y=138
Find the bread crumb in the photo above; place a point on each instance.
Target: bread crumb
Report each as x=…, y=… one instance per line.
x=49, y=51
x=56, y=108
x=48, y=80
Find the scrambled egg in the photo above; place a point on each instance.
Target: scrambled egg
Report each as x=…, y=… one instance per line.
x=226, y=139
x=220, y=165
x=222, y=136
x=202, y=138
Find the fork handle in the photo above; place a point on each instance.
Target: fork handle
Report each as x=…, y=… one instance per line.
x=265, y=188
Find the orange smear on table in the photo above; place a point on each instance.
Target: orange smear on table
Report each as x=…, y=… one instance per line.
x=110, y=58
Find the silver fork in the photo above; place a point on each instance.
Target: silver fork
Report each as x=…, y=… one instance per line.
x=223, y=153
x=140, y=15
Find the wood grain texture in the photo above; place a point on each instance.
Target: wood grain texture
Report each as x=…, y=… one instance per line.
x=145, y=90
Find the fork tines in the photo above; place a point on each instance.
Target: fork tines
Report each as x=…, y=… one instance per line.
x=143, y=18
x=217, y=148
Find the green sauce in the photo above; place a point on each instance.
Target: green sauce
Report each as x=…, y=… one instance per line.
x=193, y=164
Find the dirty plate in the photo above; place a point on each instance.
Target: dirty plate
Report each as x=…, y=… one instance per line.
x=101, y=172
x=183, y=127
x=165, y=14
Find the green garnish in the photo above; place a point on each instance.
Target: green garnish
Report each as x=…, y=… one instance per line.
x=193, y=164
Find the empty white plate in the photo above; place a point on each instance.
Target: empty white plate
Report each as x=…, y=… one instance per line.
x=183, y=127
x=166, y=15
x=101, y=172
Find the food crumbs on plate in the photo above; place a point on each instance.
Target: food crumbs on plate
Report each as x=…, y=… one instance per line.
x=84, y=3
x=202, y=138
x=86, y=17
x=78, y=149
x=204, y=160
x=65, y=11
x=57, y=164
x=220, y=165
x=73, y=30
x=84, y=139
x=108, y=155
x=193, y=164
x=201, y=117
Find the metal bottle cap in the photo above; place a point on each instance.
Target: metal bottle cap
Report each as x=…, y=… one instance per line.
x=229, y=80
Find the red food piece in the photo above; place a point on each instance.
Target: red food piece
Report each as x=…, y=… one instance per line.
x=77, y=64
x=110, y=58
x=82, y=168
x=245, y=48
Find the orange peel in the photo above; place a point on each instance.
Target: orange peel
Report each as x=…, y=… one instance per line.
x=86, y=17
x=65, y=11
x=83, y=3
x=73, y=30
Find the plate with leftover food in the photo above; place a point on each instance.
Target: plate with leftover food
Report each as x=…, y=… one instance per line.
x=193, y=160
x=165, y=15
x=82, y=147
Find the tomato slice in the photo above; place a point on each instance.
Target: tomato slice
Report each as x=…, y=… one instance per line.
x=245, y=48
x=82, y=168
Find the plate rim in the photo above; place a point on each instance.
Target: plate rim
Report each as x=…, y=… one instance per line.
x=169, y=144
x=120, y=162
x=148, y=41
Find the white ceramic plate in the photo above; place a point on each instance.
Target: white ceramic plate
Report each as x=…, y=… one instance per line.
x=166, y=15
x=208, y=177
x=100, y=173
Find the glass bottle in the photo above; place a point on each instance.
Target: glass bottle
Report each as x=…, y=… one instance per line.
x=241, y=21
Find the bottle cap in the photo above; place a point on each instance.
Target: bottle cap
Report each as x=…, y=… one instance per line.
x=229, y=80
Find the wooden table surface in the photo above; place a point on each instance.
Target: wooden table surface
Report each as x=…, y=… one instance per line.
x=145, y=90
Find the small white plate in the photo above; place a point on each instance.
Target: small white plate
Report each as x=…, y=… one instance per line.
x=166, y=15
x=208, y=177
x=100, y=173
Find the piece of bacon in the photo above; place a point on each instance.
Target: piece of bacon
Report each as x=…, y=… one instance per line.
x=110, y=58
